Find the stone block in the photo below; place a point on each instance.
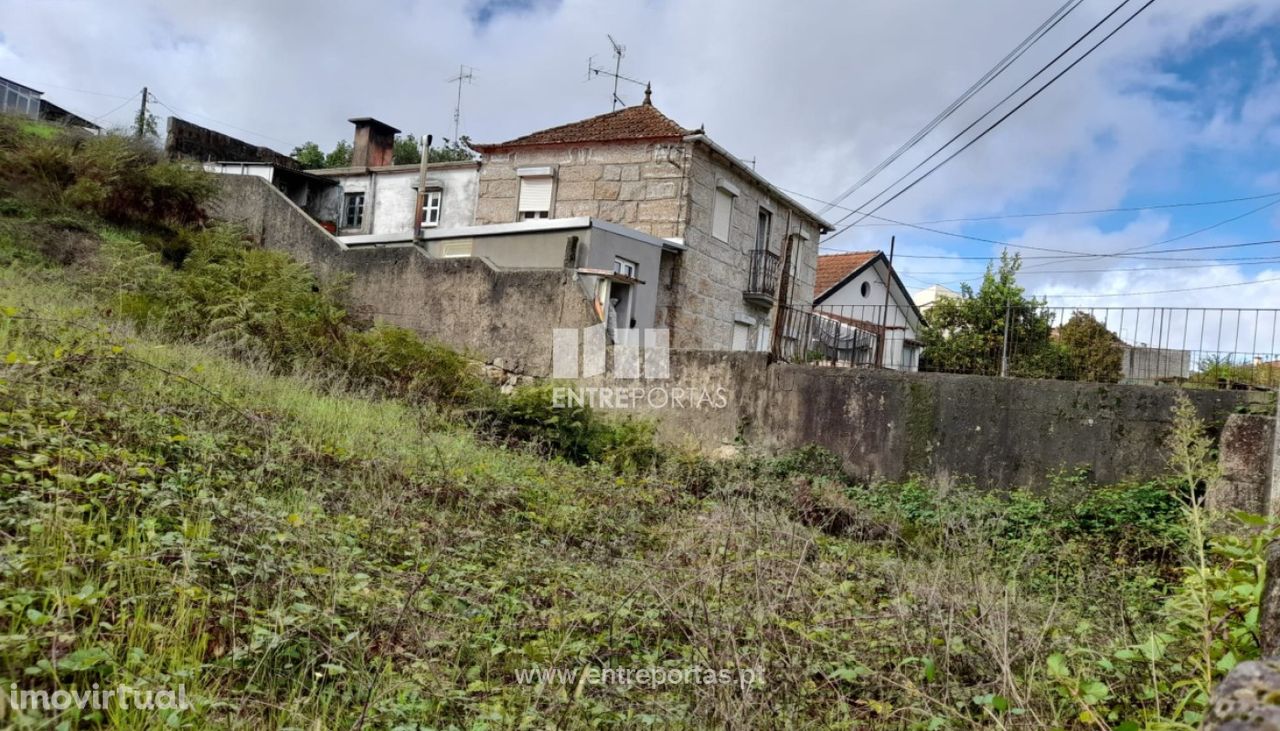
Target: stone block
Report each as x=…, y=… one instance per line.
x=495, y=210
x=631, y=191
x=497, y=170
x=611, y=172
x=1245, y=699
x=1245, y=450
x=661, y=190
x=660, y=170
x=659, y=210
x=579, y=190
x=629, y=172
x=499, y=188
x=607, y=190
x=573, y=209
x=575, y=173
x=618, y=211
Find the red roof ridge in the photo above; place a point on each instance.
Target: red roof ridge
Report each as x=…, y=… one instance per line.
x=639, y=122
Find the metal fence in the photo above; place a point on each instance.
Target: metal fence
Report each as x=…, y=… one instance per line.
x=1205, y=347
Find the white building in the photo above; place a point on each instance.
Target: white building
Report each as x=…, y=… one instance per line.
x=926, y=298
x=862, y=313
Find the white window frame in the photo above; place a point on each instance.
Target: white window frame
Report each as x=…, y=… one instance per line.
x=526, y=175
x=431, y=204
x=626, y=267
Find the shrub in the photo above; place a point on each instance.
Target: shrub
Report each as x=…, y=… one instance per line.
x=571, y=430
x=395, y=360
x=119, y=178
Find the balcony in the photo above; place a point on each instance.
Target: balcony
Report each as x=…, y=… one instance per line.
x=762, y=287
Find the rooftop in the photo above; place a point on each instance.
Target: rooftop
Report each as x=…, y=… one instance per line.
x=834, y=268
x=640, y=122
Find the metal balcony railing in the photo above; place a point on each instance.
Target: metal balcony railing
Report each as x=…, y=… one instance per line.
x=763, y=283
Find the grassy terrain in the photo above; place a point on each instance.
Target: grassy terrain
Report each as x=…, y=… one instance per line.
x=211, y=476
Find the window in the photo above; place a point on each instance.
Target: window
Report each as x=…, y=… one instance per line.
x=763, y=227
x=455, y=249
x=353, y=210
x=865, y=288
x=535, y=196
x=625, y=267
x=721, y=214
x=431, y=208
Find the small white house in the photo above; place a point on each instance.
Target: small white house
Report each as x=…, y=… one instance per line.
x=926, y=298
x=863, y=314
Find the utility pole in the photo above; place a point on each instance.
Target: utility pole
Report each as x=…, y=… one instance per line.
x=782, y=313
x=422, y=189
x=142, y=115
x=884, y=316
x=464, y=74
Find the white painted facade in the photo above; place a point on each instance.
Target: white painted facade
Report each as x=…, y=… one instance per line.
x=862, y=300
x=390, y=196
x=927, y=297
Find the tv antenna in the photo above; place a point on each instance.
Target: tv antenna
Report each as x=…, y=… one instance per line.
x=619, y=51
x=464, y=74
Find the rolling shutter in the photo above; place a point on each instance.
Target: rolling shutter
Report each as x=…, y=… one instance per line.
x=721, y=213
x=535, y=194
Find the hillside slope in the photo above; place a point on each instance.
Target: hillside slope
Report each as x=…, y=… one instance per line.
x=212, y=478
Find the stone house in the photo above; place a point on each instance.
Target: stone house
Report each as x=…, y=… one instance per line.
x=660, y=226
x=720, y=280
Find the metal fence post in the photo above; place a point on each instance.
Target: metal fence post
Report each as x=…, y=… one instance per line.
x=1004, y=348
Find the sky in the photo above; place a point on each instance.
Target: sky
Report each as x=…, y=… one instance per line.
x=1181, y=106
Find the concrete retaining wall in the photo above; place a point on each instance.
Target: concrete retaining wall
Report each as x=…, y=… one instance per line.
x=462, y=302
x=998, y=432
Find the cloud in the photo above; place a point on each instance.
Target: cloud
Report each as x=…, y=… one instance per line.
x=817, y=93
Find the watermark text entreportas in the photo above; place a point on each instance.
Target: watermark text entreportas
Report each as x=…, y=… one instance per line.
x=651, y=677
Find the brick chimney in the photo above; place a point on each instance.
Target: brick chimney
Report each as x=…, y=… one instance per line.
x=373, y=142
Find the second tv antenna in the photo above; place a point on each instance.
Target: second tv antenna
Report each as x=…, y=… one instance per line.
x=619, y=51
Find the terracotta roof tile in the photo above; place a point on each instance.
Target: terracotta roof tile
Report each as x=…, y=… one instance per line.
x=640, y=122
x=832, y=268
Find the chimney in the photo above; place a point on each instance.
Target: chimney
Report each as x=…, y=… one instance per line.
x=373, y=142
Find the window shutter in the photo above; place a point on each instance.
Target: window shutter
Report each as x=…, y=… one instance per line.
x=535, y=194
x=720, y=216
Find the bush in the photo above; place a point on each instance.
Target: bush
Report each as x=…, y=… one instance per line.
x=572, y=431
x=120, y=178
x=394, y=360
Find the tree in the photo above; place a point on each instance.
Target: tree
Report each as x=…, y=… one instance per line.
x=340, y=157
x=453, y=151
x=967, y=334
x=1093, y=352
x=405, y=150
x=309, y=154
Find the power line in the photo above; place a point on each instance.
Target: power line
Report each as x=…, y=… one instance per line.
x=218, y=121
x=1162, y=291
x=1085, y=212
x=1145, y=256
x=1007, y=115
x=1245, y=261
x=116, y=109
x=1049, y=24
